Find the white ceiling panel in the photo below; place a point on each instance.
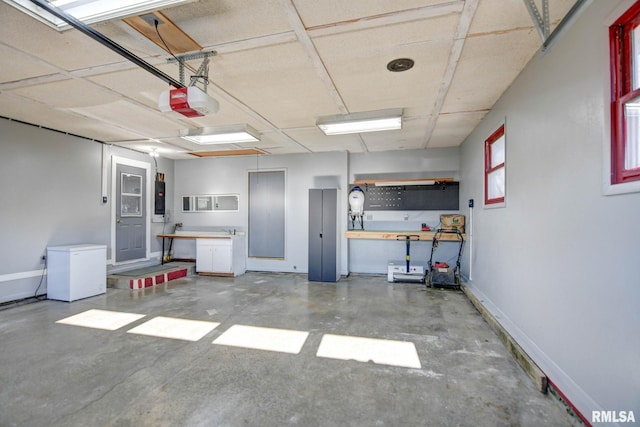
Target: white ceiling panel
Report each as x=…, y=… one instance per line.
x=25, y=110
x=213, y=22
x=317, y=141
x=278, y=82
x=485, y=71
x=69, y=50
x=67, y=94
x=24, y=68
x=359, y=70
x=497, y=16
x=452, y=129
x=126, y=115
x=315, y=13
x=410, y=137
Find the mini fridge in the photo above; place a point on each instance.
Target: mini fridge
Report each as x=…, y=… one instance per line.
x=76, y=271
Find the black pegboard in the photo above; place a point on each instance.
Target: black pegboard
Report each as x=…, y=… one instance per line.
x=437, y=197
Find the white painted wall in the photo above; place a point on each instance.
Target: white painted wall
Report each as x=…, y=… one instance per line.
x=50, y=194
x=373, y=256
x=305, y=171
x=559, y=265
x=230, y=175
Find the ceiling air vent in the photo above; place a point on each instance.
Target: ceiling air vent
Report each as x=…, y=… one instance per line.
x=400, y=64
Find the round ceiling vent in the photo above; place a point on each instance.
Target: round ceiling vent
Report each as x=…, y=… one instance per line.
x=400, y=64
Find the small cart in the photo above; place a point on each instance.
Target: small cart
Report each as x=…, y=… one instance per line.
x=441, y=274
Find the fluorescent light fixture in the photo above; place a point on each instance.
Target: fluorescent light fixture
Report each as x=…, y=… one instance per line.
x=372, y=121
x=222, y=135
x=90, y=11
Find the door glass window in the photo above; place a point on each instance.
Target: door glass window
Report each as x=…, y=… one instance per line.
x=130, y=194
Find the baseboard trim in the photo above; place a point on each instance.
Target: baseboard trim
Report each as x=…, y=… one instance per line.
x=521, y=357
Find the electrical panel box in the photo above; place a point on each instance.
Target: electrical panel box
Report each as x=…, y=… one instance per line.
x=159, y=198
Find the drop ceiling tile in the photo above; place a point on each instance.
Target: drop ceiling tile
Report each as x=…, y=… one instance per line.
x=314, y=13
x=68, y=50
x=359, y=71
x=487, y=67
x=277, y=82
x=135, y=83
x=39, y=114
x=21, y=66
x=67, y=94
x=316, y=141
x=131, y=117
x=452, y=129
x=411, y=136
x=213, y=22
x=497, y=16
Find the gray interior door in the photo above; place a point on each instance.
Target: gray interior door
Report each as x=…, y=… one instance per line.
x=131, y=215
x=266, y=214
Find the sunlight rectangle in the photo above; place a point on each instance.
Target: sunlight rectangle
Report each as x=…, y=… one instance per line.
x=270, y=339
x=383, y=352
x=101, y=319
x=179, y=329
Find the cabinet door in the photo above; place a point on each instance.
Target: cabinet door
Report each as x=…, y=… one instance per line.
x=204, y=257
x=221, y=259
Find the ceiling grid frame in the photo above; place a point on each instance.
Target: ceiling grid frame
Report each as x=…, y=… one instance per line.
x=468, y=12
x=283, y=94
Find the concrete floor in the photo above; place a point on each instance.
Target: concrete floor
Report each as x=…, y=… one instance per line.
x=53, y=374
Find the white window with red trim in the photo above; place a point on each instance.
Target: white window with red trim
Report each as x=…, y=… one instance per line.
x=494, y=168
x=624, y=41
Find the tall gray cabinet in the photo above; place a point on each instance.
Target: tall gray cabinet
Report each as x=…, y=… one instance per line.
x=324, y=235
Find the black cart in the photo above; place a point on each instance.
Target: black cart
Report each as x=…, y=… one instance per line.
x=441, y=274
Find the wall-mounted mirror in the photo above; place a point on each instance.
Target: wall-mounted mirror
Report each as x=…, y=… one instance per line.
x=211, y=203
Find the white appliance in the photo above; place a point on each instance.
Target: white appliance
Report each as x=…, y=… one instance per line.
x=400, y=267
x=76, y=271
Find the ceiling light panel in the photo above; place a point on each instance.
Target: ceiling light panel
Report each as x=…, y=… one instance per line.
x=234, y=134
x=92, y=11
x=361, y=122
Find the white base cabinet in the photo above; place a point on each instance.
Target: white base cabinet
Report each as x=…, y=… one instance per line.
x=224, y=256
x=76, y=271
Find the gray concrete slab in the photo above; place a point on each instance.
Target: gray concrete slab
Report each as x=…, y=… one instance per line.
x=54, y=374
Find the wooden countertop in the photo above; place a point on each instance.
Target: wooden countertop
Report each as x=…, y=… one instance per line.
x=196, y=236
x=393, y=235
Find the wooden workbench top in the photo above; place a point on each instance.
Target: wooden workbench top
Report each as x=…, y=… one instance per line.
x=196, y=236
x=398, y=235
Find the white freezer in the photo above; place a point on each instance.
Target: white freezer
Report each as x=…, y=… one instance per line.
x=76, y=271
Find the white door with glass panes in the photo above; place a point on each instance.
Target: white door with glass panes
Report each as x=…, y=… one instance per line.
x=131, y=215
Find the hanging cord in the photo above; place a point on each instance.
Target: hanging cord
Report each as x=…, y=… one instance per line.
x=180, y=61
x=165, y=43
x=28, y=300
x=44, y=268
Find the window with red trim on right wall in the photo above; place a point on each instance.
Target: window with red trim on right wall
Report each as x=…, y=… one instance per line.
x=494, y=168
x=624, y=42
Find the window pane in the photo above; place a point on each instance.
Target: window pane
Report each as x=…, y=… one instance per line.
x=204, y=203
x=130, y=205
x=635, y=59
x=495, y=184
x=497, y=152
x=131, y=184
x=632, y=138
